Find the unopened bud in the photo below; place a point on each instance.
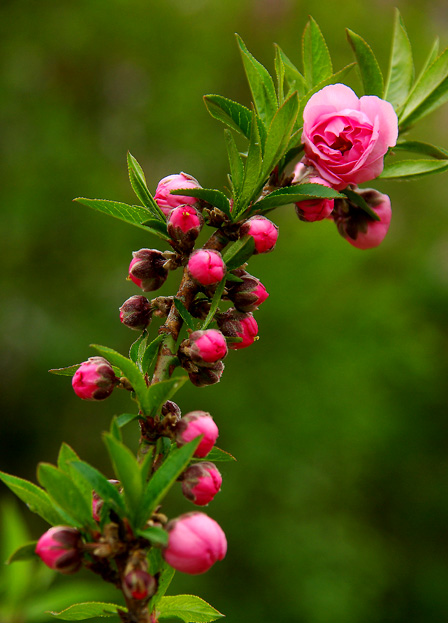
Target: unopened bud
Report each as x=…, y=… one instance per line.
x=248, y=294
x=207, y=346
x=237, y=324
x=194, y=424
x=263, y=231
x=94, y=379
x=59, y=549
x=135, y=313
x=312, y=209
x=184, y=225
x=203, y=376
x=139, y=584
x=163, y=197
x=147, y=269
x=206, y=267
x=201, y=482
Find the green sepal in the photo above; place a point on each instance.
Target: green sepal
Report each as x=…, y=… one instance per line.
x=157, y=394
x=88, y=610
x=317, y=64
x=155, y=535
x=184, y=313
x=369, y=70
x=401, y=66
x=239, y=252
x=37, y=500
x=138, y=183
x=150, y=353
x=68, y=371
x=359, y=201
x=210, y=195
x=215, y=303
x=133, y=215
x=292, y=194
x=24, y=552
x=101, y=485
x=216, y=455
x=188, y=608
x=412, y=169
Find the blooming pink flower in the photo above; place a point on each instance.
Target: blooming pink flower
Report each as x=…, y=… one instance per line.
x=237, y=324
x=194, y=424
x=94, y=379
x=58, y=548
x=263, y=231
x=346, y=137
x=209, y=345
x=357, y=227
x=201, y=482
x=206, y=266
x=196, y=542
x=163, y=197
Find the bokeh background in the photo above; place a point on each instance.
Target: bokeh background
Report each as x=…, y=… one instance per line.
x=336, y=511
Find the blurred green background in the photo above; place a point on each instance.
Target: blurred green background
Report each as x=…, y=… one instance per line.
x=336, y=511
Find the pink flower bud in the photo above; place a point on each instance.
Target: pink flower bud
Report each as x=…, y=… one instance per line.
x=195, y=543
x=184, y=225
x=139, y=584
x=317, y=209
x=94, y=379
x=247, y=295
x=146, y=269
x=163, y=197
x=237, y=324
x=203, y=376
x=201, y=482
x=59, y=549
x=207, y=346
x=206, y=267
x=194, y=424
x=356, y=226
x=263, y=231
x=135, y=313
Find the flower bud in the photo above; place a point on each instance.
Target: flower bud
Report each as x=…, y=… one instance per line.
x=97, y=502
x=263, y=231
x=248, y=294
x=171, y=409
x=163, y=197
x=201, y=482
x=135, y=313
x=356, y=226
x=206, y=267
x=139, y=584
x=237, y=324
x=196, y=542
x=146, y=269
x=312, y=210
x=207, y=346
x=202, y=376
x=184, y=225
x=94, y=379
x=194, y=424
x=59, y=549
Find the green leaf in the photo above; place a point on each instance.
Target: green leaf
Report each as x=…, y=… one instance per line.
x=134, y=215
x=184, y=313
x=66, y=495
x=88, y=610
x=339, y=76
x=65, y=456
x=422, y=148
x=280, y=73
x=292, y=194
x=260, y=83
x=217, y=455
x=210, y=195
x=234, y=278
x=359, y=201
x=135, y=346
x=157, y=228
x=433, y=54
x=165, y=578
x=101, y=485
x=236, y=164
x=129, y=369
x=432, y=85
x=155, y=535
x=293, y=76
x=163, y=479
x=68, y=371
x=316, y=57
x=157, y=394
x=127, y=471
x=401, y=65
x=115, y=429
x=369, y=70
x=37, y=500
x=65, y=463
x=125, y=418
x=215, y=302
x=17, y=581
x=234, y=115
x=151, y=353
x=188, y=608
x=412, y=169
x=279, y=133
x=24, y=552
x=138, y=183
x=239, y=252
x=252, y=170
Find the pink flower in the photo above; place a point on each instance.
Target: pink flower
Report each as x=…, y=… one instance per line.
x=163, y=197
x=195, y=543
x=209, y=346
x=58, y=548
x=263, y=231
x=206, y=267
x=94, y=379
x=345, y=137
x=356, y=226
x=201, y=482
x=194, y=424
x=185, y=218
x=237, y=324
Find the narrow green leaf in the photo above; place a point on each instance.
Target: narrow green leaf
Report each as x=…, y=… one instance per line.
x=138, y=183
x=165, y=578
x=234, y=115
x=412, y=169
x=66, y=494
x=234, y=278
x=339, y=76
x=401, y=65
x=134, y=215
x=127, y=471
x=280, y=73
x=252, y=170
x=17, y=580
x=419, y=147
x=279, y=133
x=157, y=228
x=433, y=78
x=65, y=463
x=151, y=353
x=88, y=610
x=115, y=430
x=239, y=252
x=293, y=76
x=24, y=552
x=215, y=302
x=292, y=194
x=369, y=70
x=236, y=164
x=210, y=195
x=359, y=201
x=155, y=535
x=135, y=346
x=185, y=314
x=433, y=54
x=436, y=99
x=217, y=455
x=101, y=485
x=65, y=456
x=317, y=64
x=125, y=418
x=163, y=479
x=37, y=500
x=260, y=83
x=156, y=395
x=68, y=371
x=188, y=608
